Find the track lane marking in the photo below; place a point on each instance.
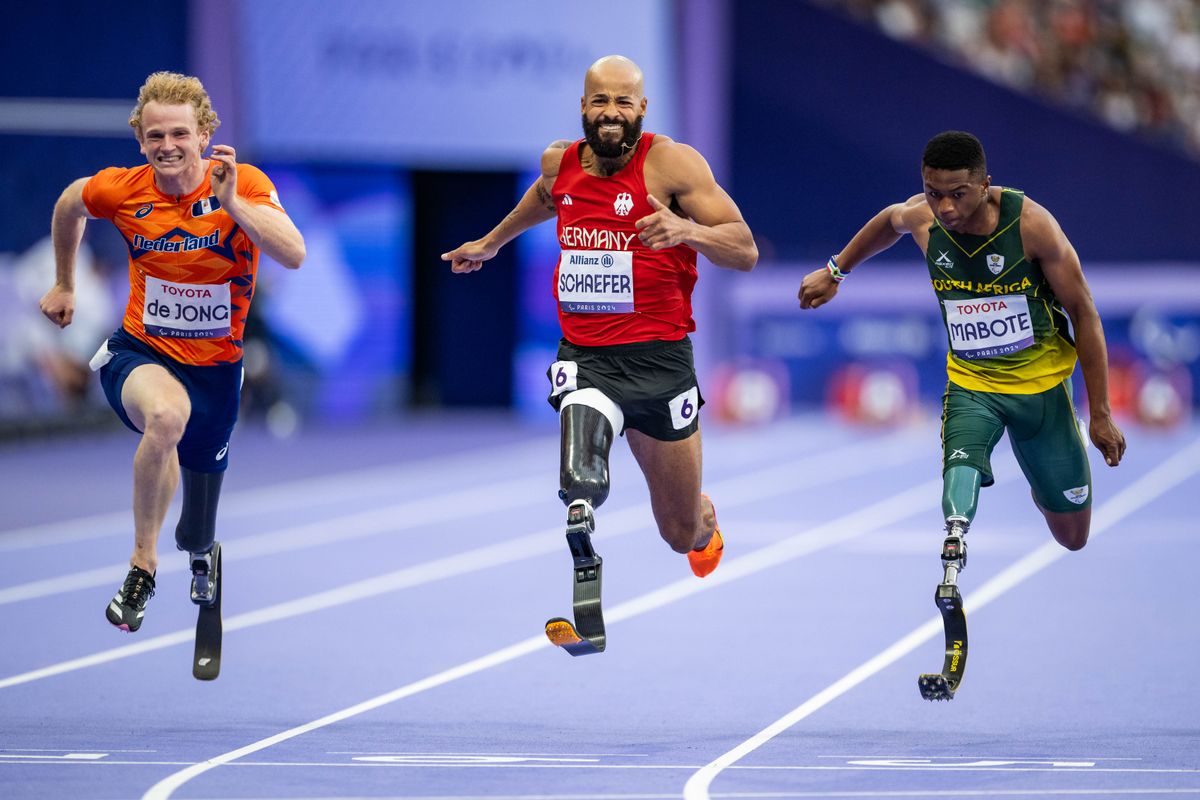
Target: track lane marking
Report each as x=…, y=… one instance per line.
x=852, y=460
x=827, y=534
x=1167, y=475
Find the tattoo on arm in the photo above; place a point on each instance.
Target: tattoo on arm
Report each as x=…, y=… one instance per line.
x=545, y=197
x=512, y=215
x=560, y=144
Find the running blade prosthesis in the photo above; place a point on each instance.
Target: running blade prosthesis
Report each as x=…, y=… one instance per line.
x=943, y=685
x=586, y=635
x=206, y=663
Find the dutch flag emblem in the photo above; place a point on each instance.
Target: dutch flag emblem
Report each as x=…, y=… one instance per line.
x=205, y=206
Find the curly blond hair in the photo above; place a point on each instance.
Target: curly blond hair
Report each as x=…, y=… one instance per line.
x=172, y=88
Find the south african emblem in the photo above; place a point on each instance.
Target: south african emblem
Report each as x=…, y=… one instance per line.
x=995, y=263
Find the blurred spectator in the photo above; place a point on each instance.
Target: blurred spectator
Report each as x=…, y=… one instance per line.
x=44, y=372
x=1133, y=63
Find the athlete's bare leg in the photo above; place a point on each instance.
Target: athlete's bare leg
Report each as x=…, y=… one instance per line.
x=159, y=406
x=1069, y=529
x=686, y=521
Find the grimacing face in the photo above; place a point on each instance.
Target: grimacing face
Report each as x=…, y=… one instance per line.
x=612, y=109
x=954, y=195
x=170, y=138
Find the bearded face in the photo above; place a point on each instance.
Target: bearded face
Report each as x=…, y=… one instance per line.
x=611, y=137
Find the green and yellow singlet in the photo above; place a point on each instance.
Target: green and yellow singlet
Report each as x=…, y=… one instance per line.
x=1008, y=333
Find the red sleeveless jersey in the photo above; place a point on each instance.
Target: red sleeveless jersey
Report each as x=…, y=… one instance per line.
x=611, y=288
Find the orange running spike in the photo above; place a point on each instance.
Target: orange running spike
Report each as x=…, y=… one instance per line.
x=703, y=562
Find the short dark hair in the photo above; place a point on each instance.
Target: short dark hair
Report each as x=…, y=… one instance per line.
x=955, y=150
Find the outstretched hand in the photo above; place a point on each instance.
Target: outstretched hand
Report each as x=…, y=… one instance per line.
x=470, y=256
x=664, y=228
x=817, y=288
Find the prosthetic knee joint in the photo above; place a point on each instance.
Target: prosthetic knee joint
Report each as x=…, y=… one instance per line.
x=197, y=529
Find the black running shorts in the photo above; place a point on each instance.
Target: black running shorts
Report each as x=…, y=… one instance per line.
x=653, y=383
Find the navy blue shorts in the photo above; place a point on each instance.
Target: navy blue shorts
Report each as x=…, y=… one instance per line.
x=214, y=392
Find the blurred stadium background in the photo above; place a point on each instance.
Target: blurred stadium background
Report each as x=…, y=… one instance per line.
x=397, y=130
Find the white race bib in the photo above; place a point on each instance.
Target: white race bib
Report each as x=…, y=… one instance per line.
x=987, y=327
x=186, y=310
x=564, y=377
x=596, y=281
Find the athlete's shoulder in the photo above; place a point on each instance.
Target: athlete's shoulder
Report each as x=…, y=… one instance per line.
x=105, y=191
x=676, y=163
x=552, y=156
x=250, y=170
x=122, y=177
x=911, y=214
x=251, y=179
x=1036, y=221
x=666, y=151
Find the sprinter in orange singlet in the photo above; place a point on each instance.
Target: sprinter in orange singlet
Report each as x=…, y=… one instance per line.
x=172, y=372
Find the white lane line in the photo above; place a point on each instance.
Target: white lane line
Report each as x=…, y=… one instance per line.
x=63, y=757
x=1009, y=757
x=340, y=488
x=585, y=767
x=857, y=523
x=389, y=519
x=1167, y=475
x=400, y=516
x=61, y=750
x=853, y=460
x=468, y=753
x=952, y=793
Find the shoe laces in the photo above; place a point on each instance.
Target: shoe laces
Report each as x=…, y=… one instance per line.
x=139, y=587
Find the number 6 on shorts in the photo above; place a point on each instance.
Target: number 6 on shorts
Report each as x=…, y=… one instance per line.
x=684, y=408
x=564, y=377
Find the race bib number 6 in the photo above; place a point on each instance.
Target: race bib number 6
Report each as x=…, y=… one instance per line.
x=987, y=327
x=186, y=310
x=564, y=377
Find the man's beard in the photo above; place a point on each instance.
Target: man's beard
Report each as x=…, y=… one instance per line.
x=607, y=149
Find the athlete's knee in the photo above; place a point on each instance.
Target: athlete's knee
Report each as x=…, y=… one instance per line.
x=1070, y=529
x=1071, y=539
x=679, y=533
x=589, y=420
x=197, y=528
x=165, y=423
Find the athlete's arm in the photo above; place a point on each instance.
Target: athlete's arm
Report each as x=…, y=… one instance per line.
x=66, y=231
x=712, y=224
x=1045, y=241
x=271, y=230
x=881, y=232
x=535, y=207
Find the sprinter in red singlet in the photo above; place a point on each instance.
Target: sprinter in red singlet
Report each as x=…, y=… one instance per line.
x=633, y=211
x=172, y=372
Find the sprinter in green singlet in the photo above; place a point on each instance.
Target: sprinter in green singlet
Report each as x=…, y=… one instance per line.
x=1007, y=280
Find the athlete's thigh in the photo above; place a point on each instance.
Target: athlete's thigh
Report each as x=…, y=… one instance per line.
x=1052, y=455
x=150, y=386
x=672, y=470
x=971, y=426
